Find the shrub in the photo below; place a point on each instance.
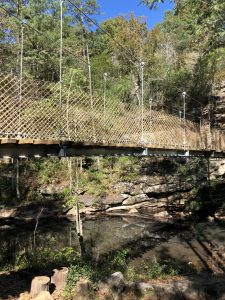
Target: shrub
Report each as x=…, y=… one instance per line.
x=161, y=270
x=44, y=258
x=120, y=259
x=75, y=273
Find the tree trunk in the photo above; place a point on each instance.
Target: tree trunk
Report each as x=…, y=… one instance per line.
x=59, y=279
x=39, y=284
x=36, y=226
x=17, y=179
x=81, y=165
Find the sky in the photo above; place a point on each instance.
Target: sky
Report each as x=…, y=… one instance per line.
x=113, y=8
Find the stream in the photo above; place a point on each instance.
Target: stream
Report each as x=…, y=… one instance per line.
x=200, y=246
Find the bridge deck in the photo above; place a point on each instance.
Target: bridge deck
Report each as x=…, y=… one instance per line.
x=13, y=147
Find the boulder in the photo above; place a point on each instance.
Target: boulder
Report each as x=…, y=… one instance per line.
x=83, y=289
x=161, y=214
x=116, y=282
x=112, y=199
x=133, y=211
x=6, y=213
x=59, y=278
x=169, y=187
x=39, y=284
x=72, y=212
x=123, y=187
x=43, y=296
x=125, y=196
x=87, y=200
x=136, y=199
x=24, y=296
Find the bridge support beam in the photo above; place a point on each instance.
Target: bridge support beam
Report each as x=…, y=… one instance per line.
x=20, y=149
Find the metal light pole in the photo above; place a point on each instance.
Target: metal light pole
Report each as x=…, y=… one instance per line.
x=91, y=92
x=105, y=76
x=209, y=120
x=180, y=114
x=21, y=79
x=150, y=107
x=60, y=68
x=142, y=65
x=150, y=104
x=200, y=130
x=61, y=52
x=184, y=94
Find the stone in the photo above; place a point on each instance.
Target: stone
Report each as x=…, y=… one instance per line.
x=137, y=189
x=43, y=296
x=112, y=199
x=123, y=187
x=140, y=287
x=133, y=211
x=211, y=219
x=71, y=212
x=136, y=199
x=6, y=213
x=116, y=282
x=87, y=200
x=167, y=188
x=24, y=296
x=162, y=214
x=125, y=196
x=126, y=208
x=83, y=288
x=59, y=278
x=221, y=170
x=39, y=284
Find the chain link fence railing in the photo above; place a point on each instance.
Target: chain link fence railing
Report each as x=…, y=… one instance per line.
x=31, y=109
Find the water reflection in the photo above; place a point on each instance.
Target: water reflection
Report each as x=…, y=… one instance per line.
x=105, y=234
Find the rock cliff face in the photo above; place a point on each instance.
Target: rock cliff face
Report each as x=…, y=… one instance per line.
x=141, y=195
x=162, y=189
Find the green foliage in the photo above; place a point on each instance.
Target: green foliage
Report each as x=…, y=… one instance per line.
x=120, y=89
x=152, y=3
x=185, y=51
x=70, y=200
x=127, y=168
x=75, y=273
x=207, y=199
x=96, y=181
x=34, y=196
x=195, y=170
x=50, y=169
x=162, y=270
x=75, y=79
x=94, y=271
x=120, y=259
x=45, y=258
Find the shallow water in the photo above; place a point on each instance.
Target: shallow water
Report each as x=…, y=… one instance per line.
x=143, y=237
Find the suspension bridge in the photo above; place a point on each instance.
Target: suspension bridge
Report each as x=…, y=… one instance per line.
x=41, y=118
x=33, y=123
